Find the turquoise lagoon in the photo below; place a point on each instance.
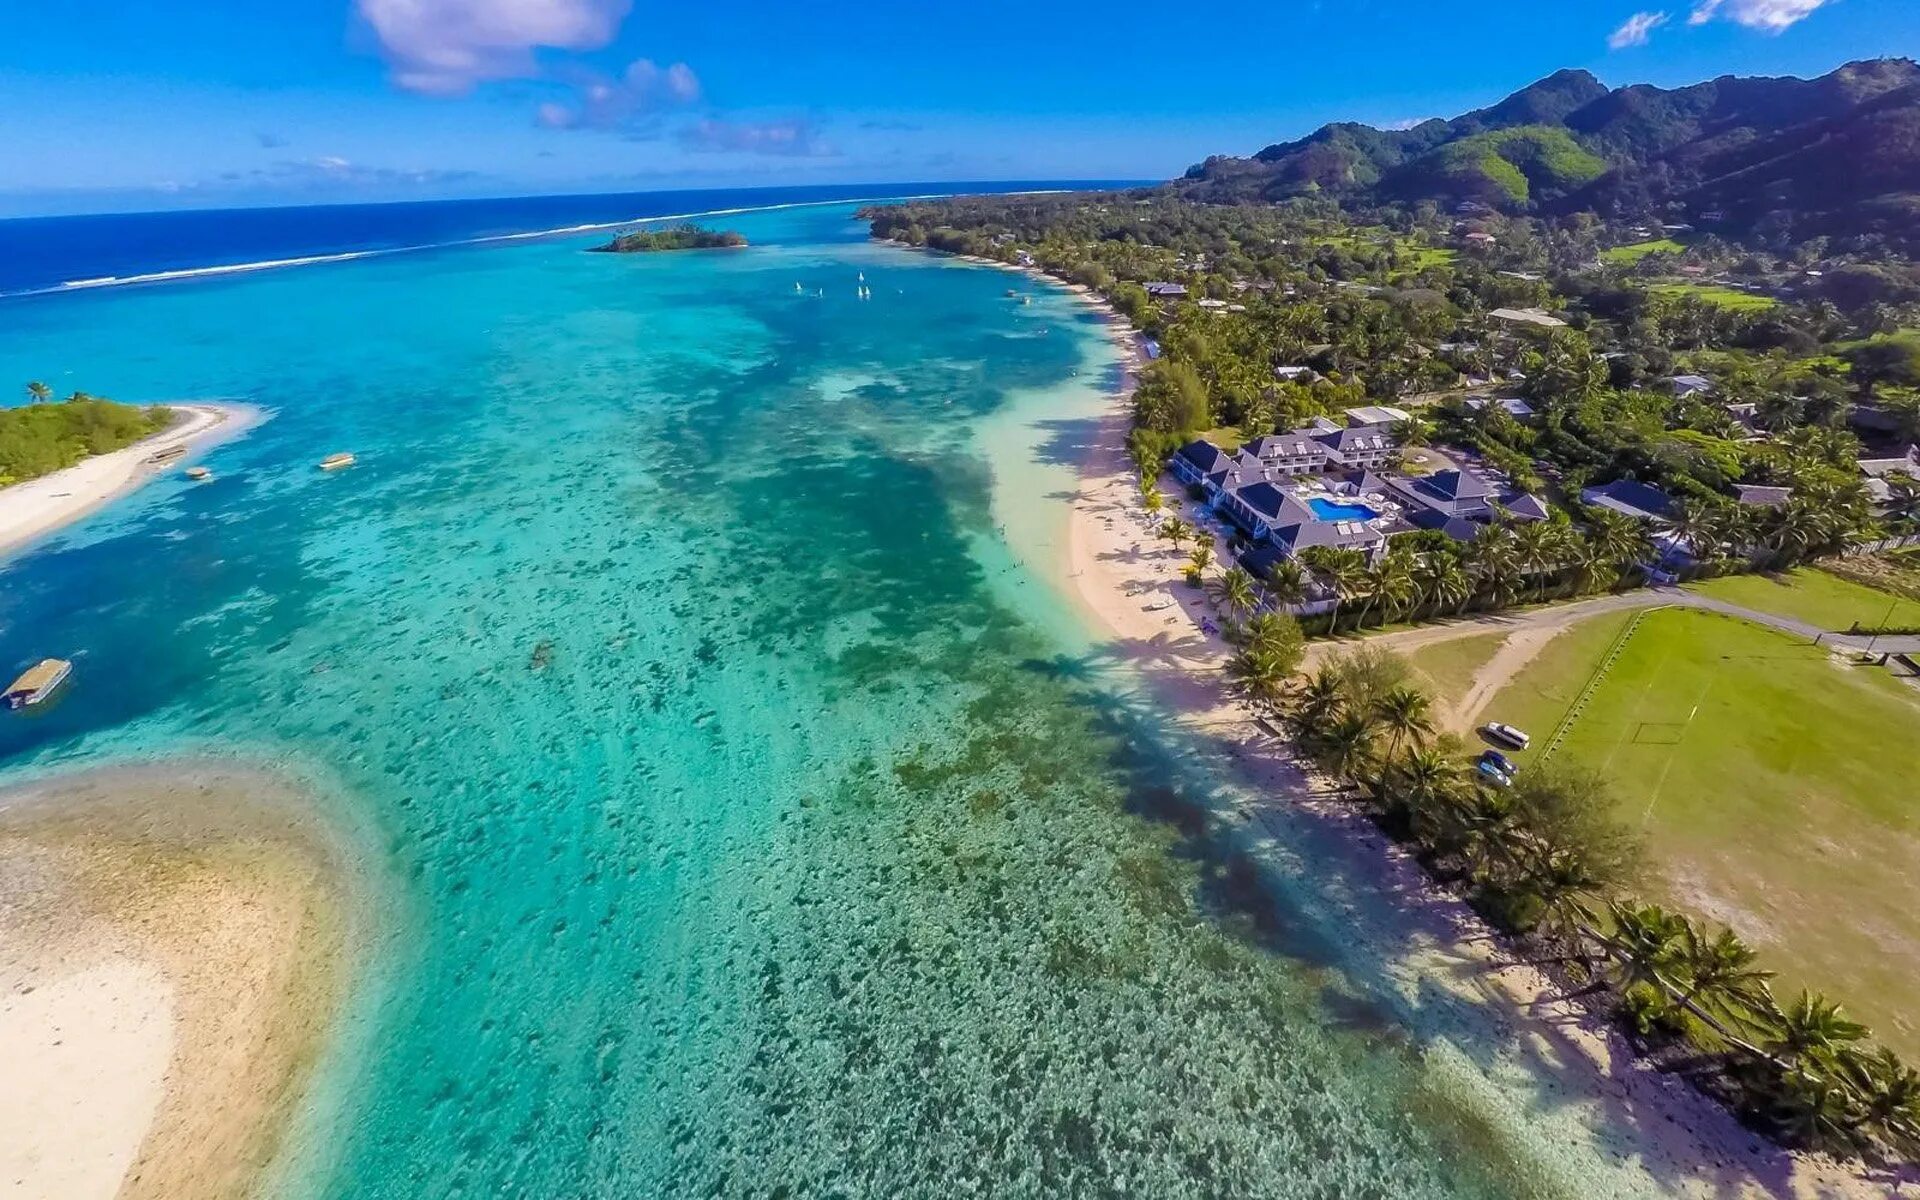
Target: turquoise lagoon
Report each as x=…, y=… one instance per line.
x=752, y=821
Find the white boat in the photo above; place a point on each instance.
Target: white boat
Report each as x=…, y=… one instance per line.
x=334, y=462
x=38, y=682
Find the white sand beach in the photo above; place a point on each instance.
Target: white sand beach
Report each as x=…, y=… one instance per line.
x=1660, y=1135
x=173, y=945
x=31, y=510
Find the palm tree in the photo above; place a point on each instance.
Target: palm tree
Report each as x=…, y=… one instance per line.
x=1176, y=531
x=1533, y=550
x=1346, y=746
x=1889, y=1094
x=1690, y=518
x=1234, y=592
x=1645, y=945
x=1617, y=539
x=1492, y=566
x=1810, y=1030
x=1344, y=574
x=1287, y=580
x=1316, y=705
x=1426, y=783
x=1261, y=672
x=1441, y=583
x=1484, y=829
x=1722, y=976
x=1201, y=556
x=1407, y=716
x=38, y=392
x=1384, y=583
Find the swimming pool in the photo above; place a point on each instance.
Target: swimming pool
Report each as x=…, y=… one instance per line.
x=1340, y=510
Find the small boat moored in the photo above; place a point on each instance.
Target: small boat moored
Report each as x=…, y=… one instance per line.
x=333, y=462
x=199, y=473
x=37, y=683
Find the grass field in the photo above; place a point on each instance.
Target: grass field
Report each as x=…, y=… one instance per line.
x=1447, y=669
x=1772, y=787
x=1628, y=255
x=1725, y=297
x=1812, y=595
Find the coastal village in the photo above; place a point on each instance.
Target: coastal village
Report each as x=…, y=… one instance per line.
x=1485, y=522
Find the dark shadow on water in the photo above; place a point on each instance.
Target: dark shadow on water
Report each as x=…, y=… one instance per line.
x=1277, y=897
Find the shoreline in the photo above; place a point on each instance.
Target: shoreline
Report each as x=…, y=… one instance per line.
x=38, y=508
x=176, y=944
x=1469, y=1003
x=1679, y=1136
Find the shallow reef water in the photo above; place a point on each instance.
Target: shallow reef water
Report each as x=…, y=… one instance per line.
x=748, y=839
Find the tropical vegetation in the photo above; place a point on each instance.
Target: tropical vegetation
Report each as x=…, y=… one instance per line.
x=43, y=436
x=675, y=237
x=1545, y=860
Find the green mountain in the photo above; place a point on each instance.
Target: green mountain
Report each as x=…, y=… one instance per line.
x=1836, y=155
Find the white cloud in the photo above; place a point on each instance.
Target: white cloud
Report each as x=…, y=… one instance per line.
x=444, y=47
x=1638, y=28
x=788, y=138
x=1409, y=123
x=1768, y=16
x=603, y=103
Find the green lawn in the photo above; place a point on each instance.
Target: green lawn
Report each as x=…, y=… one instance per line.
x=1428, y=256
x=1770, y=785
x=1811, y=595
x=1447, y=668
x=1534, y=700
x=1725, y=297
x=1639, y=250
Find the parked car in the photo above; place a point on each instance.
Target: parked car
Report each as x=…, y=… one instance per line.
x=1499, y=762
x=1516, y=738
x=1494, y=775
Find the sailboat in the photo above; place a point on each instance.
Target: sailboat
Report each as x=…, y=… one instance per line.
x=797, y=289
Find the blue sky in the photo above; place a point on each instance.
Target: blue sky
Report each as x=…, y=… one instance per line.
x=113, y=105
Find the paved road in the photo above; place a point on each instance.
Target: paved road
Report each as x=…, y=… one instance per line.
x=1530, y=630
x=1560, y=615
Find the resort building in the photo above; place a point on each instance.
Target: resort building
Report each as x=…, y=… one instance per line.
x=1459, y=503
x=1167, y=291
x=1293, y=490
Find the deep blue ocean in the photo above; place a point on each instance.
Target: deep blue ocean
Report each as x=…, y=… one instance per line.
x=38, y=253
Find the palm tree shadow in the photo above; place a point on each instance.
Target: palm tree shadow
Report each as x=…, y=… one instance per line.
x=1292, y=875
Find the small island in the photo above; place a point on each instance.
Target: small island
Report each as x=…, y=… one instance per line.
x=679, y=237
x=43, y=436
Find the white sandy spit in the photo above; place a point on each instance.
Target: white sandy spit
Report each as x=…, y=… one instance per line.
x=30, y=511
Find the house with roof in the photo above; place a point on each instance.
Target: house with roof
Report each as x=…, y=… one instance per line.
x=1755, y=495
x=1291, y=519
x=1295, y=374
x=1355, y=447
x=1631, y=498
x=1690, y=385
x=1167, y=291
x=1513, y=406
x=1376, y=414
x=1877, y=469
x=1537, y=317
x=1459, y=503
